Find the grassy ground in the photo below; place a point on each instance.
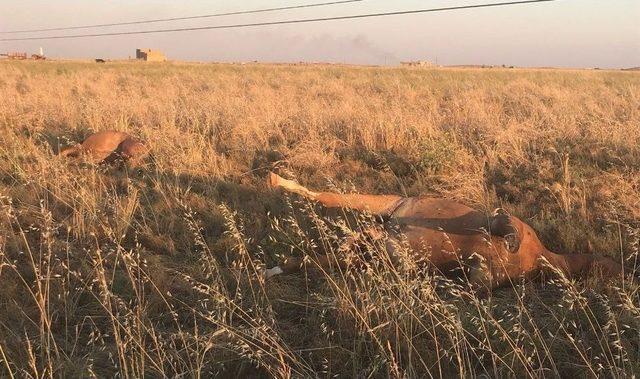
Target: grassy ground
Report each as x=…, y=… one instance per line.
x=154, y=273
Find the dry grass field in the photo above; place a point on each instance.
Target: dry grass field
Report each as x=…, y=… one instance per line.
x=156, y=272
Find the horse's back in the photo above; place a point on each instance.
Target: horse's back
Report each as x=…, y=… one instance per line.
x=440, y=214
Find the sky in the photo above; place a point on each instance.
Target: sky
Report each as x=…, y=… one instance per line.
x=564, y=33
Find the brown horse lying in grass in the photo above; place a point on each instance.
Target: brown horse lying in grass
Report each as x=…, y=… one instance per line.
x=109, y=147
x=447, y=235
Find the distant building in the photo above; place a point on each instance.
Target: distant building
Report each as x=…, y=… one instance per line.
x=417, y=64
x=150, y=55
x=15, y=55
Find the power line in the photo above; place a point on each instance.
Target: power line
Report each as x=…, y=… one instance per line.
x=283, y=22
x=264, y=10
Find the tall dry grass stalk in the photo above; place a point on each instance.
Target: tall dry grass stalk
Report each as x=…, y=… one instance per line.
x=158, y=273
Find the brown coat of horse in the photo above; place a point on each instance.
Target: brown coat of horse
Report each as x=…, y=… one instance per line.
x=442, y=233
x=109, y=147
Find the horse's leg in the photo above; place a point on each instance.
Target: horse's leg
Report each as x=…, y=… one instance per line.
x=375, y=204
x=295, y=264
x=71, y=151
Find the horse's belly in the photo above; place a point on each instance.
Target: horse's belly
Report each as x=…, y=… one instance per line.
x=440, y=248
